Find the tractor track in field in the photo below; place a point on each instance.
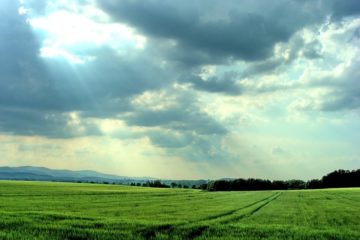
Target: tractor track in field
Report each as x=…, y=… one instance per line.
x=249, y=214
x=214, y=217
x=197, y=227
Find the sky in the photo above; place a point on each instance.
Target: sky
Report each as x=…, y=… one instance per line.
x=181, y=89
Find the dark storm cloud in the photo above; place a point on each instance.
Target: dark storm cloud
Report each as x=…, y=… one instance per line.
x=20, y=66
x=50, y=124
x=341, y=8
x=231, y=82
x=245, y=30
x=277, y=63
x=218, y=32
x=106, y=83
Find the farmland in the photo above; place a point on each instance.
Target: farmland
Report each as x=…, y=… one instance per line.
x=44, y=210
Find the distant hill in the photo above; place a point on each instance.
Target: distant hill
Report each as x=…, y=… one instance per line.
x=46, y=174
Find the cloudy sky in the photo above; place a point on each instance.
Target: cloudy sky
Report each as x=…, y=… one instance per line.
x=177, y=89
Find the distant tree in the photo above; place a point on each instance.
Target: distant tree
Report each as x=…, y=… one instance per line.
x=296, y=184
x=203, y=186
x=157, y=183
x=138, y=184
x=219, y=185
x=279, y=185
x=342, y=178
x=314, y=184
x=173, y=185
x=239, y=184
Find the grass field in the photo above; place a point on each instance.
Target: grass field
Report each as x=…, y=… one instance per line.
x=39, y=210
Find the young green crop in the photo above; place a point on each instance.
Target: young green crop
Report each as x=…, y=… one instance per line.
x=39, y=210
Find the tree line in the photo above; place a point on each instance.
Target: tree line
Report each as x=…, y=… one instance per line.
x=160, y=184
x=155, y=183
x=336, y=179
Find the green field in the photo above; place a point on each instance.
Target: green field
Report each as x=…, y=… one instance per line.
x=39, y=210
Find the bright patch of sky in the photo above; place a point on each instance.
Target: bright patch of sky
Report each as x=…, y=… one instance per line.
x=68, y=32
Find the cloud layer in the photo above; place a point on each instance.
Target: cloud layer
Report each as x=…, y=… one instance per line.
x=184, y=78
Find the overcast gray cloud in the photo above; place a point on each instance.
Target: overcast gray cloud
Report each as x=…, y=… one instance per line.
x=236, y=30
x=49, y=124
x=341, y=8
x=243, y=31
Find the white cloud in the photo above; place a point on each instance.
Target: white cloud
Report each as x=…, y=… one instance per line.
x=70, y=35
